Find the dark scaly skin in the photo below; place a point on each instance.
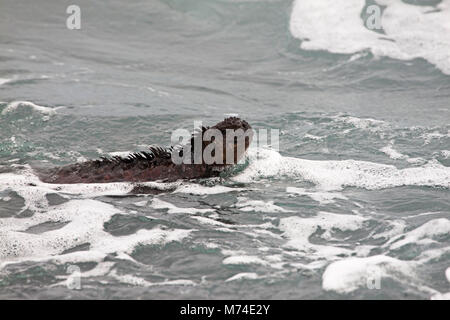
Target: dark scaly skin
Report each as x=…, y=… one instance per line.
x=146, y=166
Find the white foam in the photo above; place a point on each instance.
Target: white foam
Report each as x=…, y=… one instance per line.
x=428, y=255
x=141, y=203
x=247, y=205
x=196, y=189
x=13, y=106
x=256, y=232
x=369, y=124
x=206, y=220
x=351, y=274
x=312, y=137
x=298, y=231
x=102, y=268
x=243, y=275
x=395, y=155
x=441, y=296
x=322, y=197
x=81, y=220
x=392, y=153
x=35, y=196
x=411, y=31
x=137, y=281
x=396, y=227
x=130, y=279
x=172, y=209
x=421, y=235
x=428, y=136
x=334, y=175
x=85, y=220
x=4, y=80
x=244, y=259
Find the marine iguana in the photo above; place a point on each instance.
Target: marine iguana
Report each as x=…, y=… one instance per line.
x=157, y=163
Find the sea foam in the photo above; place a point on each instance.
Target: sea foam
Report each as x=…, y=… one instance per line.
x=410, y=31
x=329, y=175
x=80, y=221
x=13, y=106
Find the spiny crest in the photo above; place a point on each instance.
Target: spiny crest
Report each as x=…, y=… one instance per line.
x=158, y=154
x=155, y=153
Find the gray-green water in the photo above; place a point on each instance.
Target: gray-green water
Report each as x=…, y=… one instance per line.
x=356, y=197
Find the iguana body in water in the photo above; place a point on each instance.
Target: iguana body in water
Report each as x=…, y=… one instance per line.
x=157, y=163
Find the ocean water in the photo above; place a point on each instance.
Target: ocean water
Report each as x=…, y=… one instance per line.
x=353, y=205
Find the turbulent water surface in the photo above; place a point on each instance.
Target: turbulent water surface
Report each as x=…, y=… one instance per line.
x=354, y=204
